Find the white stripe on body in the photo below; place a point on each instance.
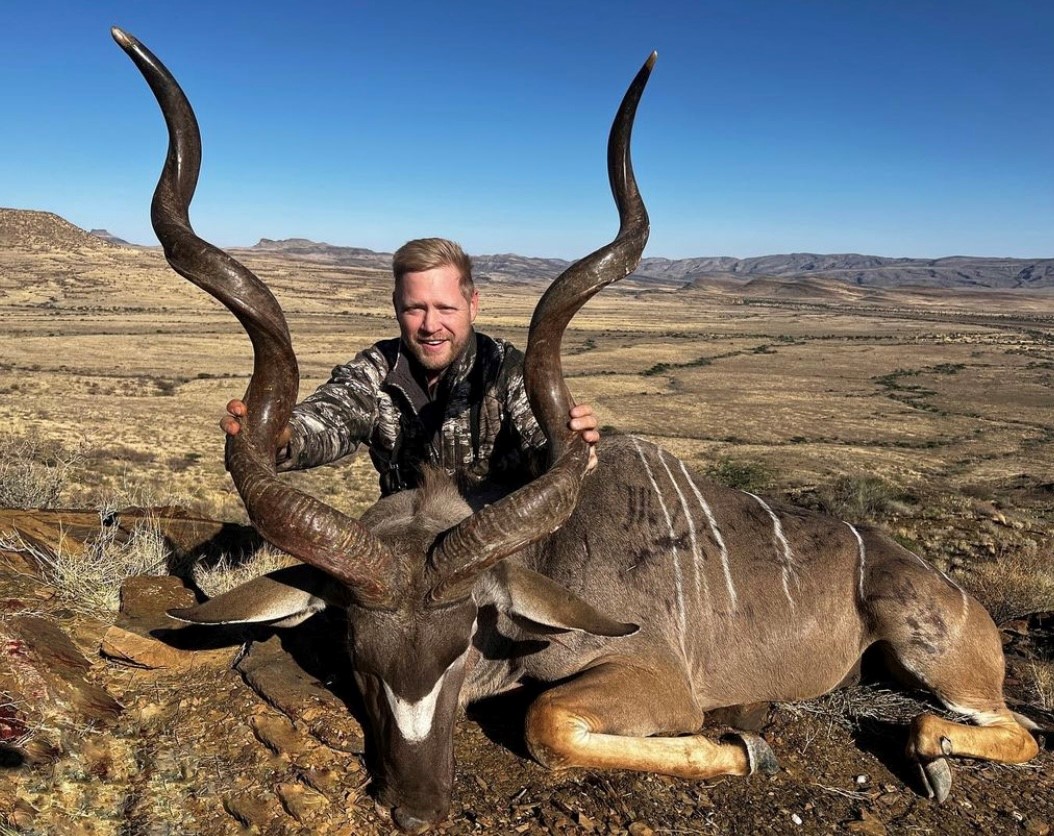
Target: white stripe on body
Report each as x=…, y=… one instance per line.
x=712, y=521
x=787, y=563
x=676, y=560
x=703, y=589
x=863, y=560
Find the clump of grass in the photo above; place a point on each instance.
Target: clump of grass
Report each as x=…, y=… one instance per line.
x=1018, y=582
x=1043, y=685
x=34, y=473
x=742, y=474
x=229, y=572
x=857, y=498
x=88, y=576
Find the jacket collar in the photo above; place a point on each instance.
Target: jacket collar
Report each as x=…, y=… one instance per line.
x=407, y=375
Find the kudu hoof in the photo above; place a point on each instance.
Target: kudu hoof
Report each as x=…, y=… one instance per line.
x=936, y=778
x=759, y=754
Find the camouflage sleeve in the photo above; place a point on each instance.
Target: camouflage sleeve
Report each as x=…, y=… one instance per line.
x=519, y=410
x=338, y=416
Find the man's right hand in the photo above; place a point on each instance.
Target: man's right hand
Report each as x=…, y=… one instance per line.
x=231, y=423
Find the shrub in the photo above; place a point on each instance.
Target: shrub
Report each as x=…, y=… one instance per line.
x=88, y=576
x=856, y=498
x=229, y=572
x=741, y=474
x=34, y=474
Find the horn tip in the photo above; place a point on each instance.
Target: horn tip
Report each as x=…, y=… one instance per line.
x=652, y=59
x=124, y=40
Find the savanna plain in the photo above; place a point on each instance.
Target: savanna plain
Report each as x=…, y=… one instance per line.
x=929, y=412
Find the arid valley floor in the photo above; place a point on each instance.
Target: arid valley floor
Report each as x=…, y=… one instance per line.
x=930, y=412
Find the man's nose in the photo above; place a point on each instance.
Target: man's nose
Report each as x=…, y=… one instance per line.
x=430, y=323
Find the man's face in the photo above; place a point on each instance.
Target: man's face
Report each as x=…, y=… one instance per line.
x=435, y=318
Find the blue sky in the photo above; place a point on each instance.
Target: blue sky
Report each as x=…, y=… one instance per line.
x=891, y=128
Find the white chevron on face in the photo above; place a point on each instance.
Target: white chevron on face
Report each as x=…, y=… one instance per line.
x=414, y=719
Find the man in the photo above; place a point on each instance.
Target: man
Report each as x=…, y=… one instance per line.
x=441, y=394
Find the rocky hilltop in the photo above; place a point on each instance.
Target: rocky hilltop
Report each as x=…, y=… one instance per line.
x=27, y=229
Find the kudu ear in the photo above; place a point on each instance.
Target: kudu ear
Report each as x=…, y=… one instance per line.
x=283, y=598
x=531, y=596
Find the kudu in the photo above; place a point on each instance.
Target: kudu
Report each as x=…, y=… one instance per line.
x=725, y=599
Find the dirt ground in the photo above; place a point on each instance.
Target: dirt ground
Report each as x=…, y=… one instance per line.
x=201, y=750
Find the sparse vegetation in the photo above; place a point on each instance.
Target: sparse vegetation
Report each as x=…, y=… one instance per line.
x=1016, y=583
x=742, y=474
x=1043, y=684
x=228, y=572
x=859, y=498
x=34, y=473
x=89, y=576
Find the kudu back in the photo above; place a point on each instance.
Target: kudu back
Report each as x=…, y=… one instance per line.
x=649, y=594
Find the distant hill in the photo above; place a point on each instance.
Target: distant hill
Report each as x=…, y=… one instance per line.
x=851, y=268
x=27, y=229
x=31, y=229
x=866, y=270
x=113, y=239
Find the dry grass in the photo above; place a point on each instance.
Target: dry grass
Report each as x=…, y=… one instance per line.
x=1042, y=676
x=35, y=473
x=229, y=572
x=771, y=395
x=89, y=578
x=1015, y=584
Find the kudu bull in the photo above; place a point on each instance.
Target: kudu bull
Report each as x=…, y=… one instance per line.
x=724, y=599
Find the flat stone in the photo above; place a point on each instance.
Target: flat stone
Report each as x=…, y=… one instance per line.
x=278, y=734
x=279, y=680
x=39, y=664
x=130, y=647
x=151, y=596
x=302, y=803
x=254, y=811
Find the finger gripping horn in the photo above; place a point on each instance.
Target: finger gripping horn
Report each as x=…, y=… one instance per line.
x=294, y=522
x=541, y=507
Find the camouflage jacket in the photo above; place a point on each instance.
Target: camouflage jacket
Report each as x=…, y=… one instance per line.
x=477, y=423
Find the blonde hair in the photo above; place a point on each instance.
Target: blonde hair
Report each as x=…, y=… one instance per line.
x=429, y=253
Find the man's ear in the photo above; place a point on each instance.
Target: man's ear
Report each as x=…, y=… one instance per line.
x=532, y=597
x=473, y=305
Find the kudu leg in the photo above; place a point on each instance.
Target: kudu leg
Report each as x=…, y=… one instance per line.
x=602, y=719
x=952, y=646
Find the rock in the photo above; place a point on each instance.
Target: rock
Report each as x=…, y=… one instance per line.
x=277, y=734
x=253, y=811
x=328, y=782
x=40, y=665
x=867, y=824
x=136, y=637
x=149, y=596
x=639, y=828
x=300, y=802
x=277, y=678
x=1036, y=827
x=131, y=648
x=45, y=692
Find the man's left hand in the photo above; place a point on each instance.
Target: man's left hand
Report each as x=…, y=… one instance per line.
x=584, y=422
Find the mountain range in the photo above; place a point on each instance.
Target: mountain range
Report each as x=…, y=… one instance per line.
x=34, y=229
